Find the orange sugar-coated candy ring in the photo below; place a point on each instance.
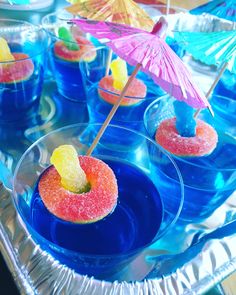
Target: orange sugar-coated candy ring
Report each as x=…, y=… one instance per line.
x=137, y=89
x=86, y=207
x=15, y=71
x=203, y=143
x=86, y=50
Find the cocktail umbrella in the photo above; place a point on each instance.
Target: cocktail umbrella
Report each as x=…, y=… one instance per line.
x=19, y=2
x=116, y=11
x=150, y=53
x=212, y=48
x=223, y=9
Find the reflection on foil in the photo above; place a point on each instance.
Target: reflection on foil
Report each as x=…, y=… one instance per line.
x=201, y=263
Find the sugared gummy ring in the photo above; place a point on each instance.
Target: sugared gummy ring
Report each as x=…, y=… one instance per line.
x=15, y=71
x=86, y=207
x=203, y=143
x=137, y=89
x=85, y=51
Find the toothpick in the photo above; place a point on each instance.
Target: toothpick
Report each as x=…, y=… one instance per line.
x=108, y=62
x=221, y=72
x=167, y=7
x=113, y=110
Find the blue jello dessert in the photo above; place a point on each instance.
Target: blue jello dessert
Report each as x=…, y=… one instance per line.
x=65, y=58
x=102, y=95
x=21, y=82
x=208, y=176
x=108, y=244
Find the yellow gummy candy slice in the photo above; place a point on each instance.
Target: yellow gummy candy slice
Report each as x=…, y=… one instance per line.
x=5, y=53
x=119, y=73
x=65, y=159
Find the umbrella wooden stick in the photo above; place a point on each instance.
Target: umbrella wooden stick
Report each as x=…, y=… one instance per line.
x=167, y=7
x=113, y=110
x=108, y=61
x=221, y=72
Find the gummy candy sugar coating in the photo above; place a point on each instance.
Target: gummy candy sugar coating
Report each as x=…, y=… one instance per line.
x=85, y=52
x=137, y=89
x=17, y=71
x=119, y=73
x=68, y=38
x=202, y=144
x=5, y=52
x=185, y=121
x=85, y=207
x=65, y=159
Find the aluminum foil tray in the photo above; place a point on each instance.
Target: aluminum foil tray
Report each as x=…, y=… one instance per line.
x=193, y=271
x=191, y=259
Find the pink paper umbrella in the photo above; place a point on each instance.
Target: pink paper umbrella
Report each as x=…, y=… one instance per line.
x=148, y=52
x=157, y=59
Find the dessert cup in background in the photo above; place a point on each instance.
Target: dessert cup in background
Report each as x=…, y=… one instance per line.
x=66, y=51
x=21, y=76
x=101, y=97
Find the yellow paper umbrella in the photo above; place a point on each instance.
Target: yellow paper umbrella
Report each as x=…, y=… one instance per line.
x=116, y=11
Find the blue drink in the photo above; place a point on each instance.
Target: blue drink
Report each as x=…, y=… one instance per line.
x=132, y=225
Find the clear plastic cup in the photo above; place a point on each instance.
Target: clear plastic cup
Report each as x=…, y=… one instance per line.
x=149, y=203
x=21, y=80
x=64, y=57
x=209, y=180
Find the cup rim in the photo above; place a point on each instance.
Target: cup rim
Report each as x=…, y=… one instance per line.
x=164, y=231
x=53, y=35
x=36, y=28
x=178, y=158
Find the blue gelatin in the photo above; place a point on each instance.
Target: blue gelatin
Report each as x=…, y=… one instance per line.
x=126, y=116
x=206, y=186
x=68, y=78
x=18, y=97
x=115, y=239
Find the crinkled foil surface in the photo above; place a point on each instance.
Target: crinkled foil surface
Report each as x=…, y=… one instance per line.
x=188, y=260
x=193, y=271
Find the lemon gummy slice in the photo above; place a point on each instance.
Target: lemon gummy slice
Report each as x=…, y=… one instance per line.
x=119, y=73
x=65, y=160
x=5, y=53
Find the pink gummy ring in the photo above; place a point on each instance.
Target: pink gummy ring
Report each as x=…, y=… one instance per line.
x=202, y=144
x=15, y=71
x=137, y=89
x=85, y=48
x=84, y=207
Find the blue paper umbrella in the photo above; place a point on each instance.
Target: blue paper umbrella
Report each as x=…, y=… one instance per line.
x=212, y=48
x=223, y=9
x=19, y=2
